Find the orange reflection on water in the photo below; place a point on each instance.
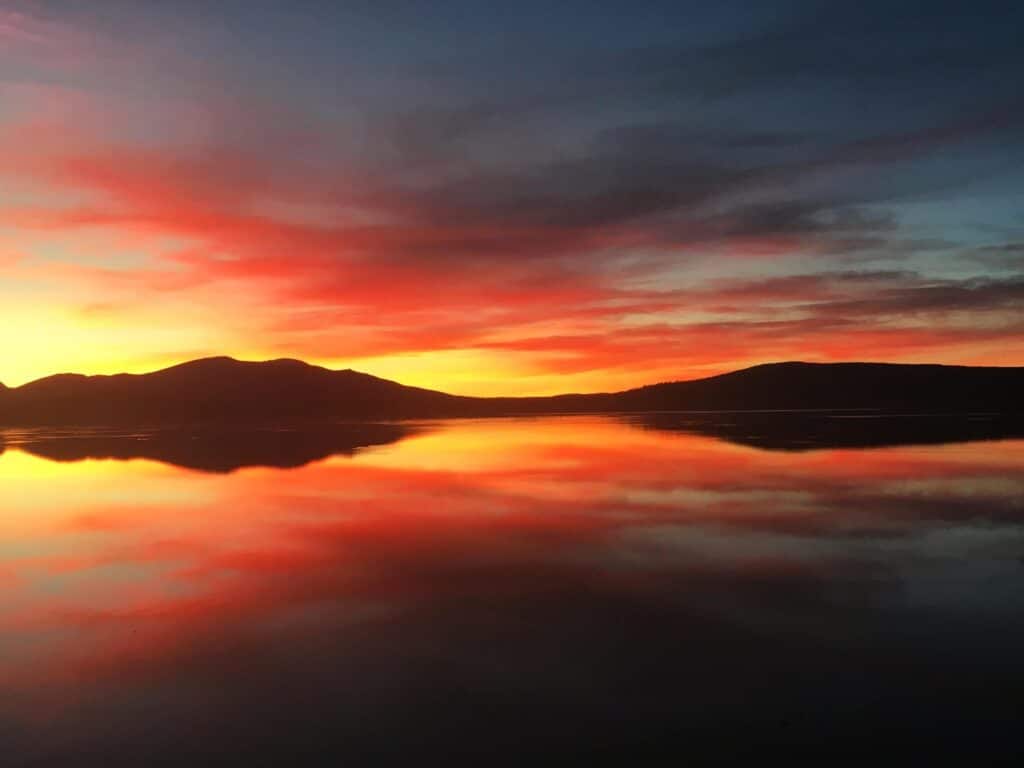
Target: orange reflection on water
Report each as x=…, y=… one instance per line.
x=128, y=576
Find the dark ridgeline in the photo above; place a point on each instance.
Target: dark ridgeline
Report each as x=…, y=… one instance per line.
x=221, y=391
x=889, y=387
x=218, y=391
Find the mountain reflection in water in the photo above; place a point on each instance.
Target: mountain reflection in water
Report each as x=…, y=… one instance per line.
x=211, y=450
x=508, y=590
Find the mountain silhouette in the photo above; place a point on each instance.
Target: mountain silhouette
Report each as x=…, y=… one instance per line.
x=837, y=386
x=224, y=391
x=217, y=390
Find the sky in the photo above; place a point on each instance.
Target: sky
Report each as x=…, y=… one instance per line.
x=510, y=198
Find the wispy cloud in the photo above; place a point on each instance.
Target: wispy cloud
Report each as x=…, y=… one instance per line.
x=655, y=210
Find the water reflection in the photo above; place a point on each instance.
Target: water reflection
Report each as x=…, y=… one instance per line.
x=223, y=449
x=811, y=430
x=513, y=590
x=226, y=449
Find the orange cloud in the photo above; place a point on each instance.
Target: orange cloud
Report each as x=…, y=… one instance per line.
x=256, y=251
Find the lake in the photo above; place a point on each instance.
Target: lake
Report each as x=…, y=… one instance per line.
x=511, y=591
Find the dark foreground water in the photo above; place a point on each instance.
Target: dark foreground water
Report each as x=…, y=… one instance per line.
x=512, y=592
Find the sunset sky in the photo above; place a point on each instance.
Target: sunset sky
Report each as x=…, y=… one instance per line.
x=519, y=198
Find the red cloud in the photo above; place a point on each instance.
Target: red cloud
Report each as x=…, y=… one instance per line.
x=325, y=261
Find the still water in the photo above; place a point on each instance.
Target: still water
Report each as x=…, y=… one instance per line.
x=504, y=590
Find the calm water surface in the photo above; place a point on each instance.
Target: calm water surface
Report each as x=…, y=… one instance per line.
x=506, y=591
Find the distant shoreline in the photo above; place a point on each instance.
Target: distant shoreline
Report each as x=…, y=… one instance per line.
x=226, y=391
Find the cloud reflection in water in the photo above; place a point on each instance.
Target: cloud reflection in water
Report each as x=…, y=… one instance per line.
x=513, y=588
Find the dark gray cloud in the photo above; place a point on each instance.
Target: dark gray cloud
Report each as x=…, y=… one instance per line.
x=777, y=129
x=1005, y=256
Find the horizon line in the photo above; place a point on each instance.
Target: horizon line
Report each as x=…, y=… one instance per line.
x=267, y=361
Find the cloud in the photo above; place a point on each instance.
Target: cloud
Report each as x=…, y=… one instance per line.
x=1005, y=256
x=621, y=206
